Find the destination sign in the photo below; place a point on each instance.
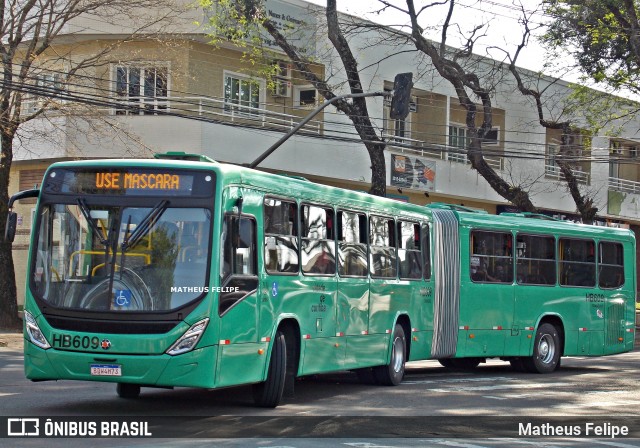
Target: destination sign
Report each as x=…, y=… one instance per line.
x=143, y=181
x=129, y=182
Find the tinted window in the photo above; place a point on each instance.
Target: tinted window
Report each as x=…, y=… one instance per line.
x=536, y=260
x=491, y=257
x=577, y=262
x=611, y=265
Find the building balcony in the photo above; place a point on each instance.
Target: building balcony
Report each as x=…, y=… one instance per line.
x=624, y=185
x=554, y=172
x=443, y=152
x=215, y=110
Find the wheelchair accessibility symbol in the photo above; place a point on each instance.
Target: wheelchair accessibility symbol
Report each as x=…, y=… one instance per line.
x=122, y=298
x=274, y=289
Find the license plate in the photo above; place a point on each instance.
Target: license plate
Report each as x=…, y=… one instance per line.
x=106, y=370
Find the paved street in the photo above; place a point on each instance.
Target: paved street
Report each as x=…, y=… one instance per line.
x=432, y=407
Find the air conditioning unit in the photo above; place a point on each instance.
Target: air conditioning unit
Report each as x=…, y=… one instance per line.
x=282, y=88
x=284, y=69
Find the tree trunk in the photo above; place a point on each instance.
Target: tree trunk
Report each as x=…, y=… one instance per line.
x=8, y=296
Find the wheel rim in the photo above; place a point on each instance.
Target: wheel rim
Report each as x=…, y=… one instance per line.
x=546, y=349
x=398, y=355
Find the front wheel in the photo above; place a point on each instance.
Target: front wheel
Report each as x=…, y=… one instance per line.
x=269, y=393
x=546, y=350
x=392, y=373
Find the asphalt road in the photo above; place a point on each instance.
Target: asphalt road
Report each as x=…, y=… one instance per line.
x=491, y=406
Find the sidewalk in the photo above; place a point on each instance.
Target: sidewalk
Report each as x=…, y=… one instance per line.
x=11, y=340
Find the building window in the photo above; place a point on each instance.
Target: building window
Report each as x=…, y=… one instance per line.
x=551, y=165
x=305, y=97
x=458, y=143
x=242, y=94
x=141, y=89
x=47, y=88
x=492, y=138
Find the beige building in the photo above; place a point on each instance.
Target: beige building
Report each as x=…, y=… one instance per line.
x=181, y=93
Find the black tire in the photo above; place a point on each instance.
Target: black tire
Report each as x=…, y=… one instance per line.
x=269, y=393
x=392, y=373
x=128, y=390
x=547, y=348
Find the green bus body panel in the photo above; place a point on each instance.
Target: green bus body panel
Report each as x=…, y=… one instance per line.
x=346, y=323
x=323, y=355
x=241, y=363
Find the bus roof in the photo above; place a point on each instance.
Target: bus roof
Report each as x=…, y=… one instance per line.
x=298, y=187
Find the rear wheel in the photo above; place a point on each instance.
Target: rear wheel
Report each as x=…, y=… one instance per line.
x=546, y=350
x=127, y=390
x=392, y=373
x=269, y=393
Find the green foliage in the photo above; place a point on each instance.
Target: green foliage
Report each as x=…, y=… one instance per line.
x=602, y=35
x=603, y=112
x=240, y=22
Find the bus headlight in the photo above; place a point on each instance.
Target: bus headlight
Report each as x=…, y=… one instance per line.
x=35, y=335
x=189, y=339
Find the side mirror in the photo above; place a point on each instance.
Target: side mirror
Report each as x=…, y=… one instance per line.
x=12, y=217
x=10, y=228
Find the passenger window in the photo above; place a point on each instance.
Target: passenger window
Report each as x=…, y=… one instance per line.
x=280, y=236
x=382, y=245
x=238, y=268
x=611, y=265
x=352, y=244
x=491, y=257
x=239, y=247
x=409, y=250
x=536, y=260
x=577, y=262
x=318, y=245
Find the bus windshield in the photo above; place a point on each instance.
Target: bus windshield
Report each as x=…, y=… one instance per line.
x=121, y=258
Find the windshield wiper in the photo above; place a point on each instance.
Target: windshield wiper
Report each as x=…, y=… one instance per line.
x=86, y=212
x=145, y=225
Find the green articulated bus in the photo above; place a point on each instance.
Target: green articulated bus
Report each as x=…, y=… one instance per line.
x=180, y=271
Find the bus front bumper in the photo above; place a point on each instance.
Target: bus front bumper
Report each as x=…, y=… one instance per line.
x=192, y=369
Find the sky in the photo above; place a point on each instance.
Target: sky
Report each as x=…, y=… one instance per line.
x=502, y=16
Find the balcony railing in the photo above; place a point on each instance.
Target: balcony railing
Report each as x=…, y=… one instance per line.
x=623, y=185
x=205, y=108
x=443, y=152
x=554, y=172
x=221, y=110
